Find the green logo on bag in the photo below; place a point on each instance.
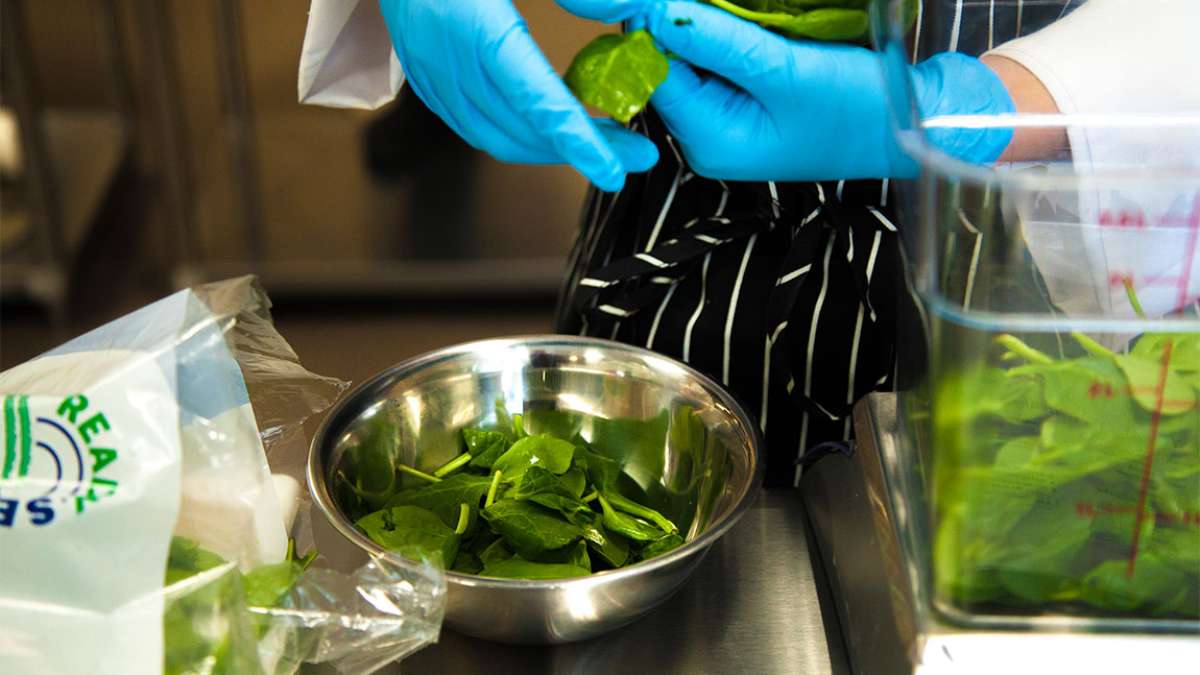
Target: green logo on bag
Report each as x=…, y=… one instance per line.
x=53, y=458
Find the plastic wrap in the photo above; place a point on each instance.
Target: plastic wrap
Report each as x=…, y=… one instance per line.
x=185, y=422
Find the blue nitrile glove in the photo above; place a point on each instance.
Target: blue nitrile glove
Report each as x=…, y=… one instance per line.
x=474, y=63
x=796, y=110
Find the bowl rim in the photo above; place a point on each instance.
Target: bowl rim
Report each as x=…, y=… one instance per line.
x=320, y=493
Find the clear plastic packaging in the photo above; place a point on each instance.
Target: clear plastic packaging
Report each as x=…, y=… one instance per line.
x=1051, y=365
x=181, y=450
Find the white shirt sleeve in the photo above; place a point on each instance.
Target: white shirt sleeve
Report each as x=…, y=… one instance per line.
x=347, y=60
x=1133, y=58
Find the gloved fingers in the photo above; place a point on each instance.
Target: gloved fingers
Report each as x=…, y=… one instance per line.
x=691, y=105
x=538, y=94
x=608, y=11
x=481, y=131
x=637, y=152
x=715, y=40
x=681, y=85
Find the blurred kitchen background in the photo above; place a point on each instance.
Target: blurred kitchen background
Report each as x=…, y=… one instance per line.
x=147, y=145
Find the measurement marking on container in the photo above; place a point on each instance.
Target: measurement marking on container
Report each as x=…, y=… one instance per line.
x=1193, y=240
x=1155, y=423
x=1092, y=511
x=1101, y=389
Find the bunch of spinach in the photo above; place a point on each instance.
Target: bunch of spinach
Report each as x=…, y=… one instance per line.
x=206, y=627
x=511, y=504
x=617, y=74
x=1071, y=484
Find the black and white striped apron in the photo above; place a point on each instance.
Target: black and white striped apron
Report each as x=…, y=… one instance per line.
x=786, y=293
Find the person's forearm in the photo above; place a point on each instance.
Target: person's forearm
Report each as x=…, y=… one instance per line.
x=1029, y=96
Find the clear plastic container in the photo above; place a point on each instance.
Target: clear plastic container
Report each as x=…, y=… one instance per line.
x=1052, y=358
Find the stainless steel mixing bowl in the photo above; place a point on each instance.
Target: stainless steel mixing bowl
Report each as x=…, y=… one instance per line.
x=688, y=446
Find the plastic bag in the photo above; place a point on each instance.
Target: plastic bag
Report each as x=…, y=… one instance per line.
x=173, y=439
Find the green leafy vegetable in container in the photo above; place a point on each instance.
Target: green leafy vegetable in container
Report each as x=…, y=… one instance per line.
x=537, y=506
x=1071, y=485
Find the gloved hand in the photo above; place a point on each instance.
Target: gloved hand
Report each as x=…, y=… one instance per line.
x=800, y=110
x=474, y=63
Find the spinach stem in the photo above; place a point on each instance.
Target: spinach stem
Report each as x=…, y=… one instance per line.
x=491, y=493
x=419, y=474
x=1133, y=298
x=1013, y=344
x=453, y=465
x=633, y=508
x=464, y=513
x=588, y=498
x=1092, y=346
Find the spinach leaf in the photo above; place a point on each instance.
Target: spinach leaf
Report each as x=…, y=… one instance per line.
x=1146, y=379
x=617, y=73
x=528, y=529
x=1109, y=587
x=613, y=549
x=265, y=586
x=823, y=23
x=467, y=563
x=446, y=497
x=412, y=532
x=485, y=447
x=627, y=525
x=552, y=454
x=567, y=506
x=538, y=481
x=580, y=558
x=602, y=472
x=1185, y=349
x=519, y=568
x=185, y=558
x=1042, y=548
x=495, y=553
x=373, y=461
x=575, y=479
x=661, y=545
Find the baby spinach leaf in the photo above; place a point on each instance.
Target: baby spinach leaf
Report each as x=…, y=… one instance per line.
x=528, y=529
x=1155, y=388
x=518, y=568
x=552, y=454
x=265, y=586
x=617, y=73
x=412, y=532
x=575, y=479
x=823, y=23
x=568, y=506
x=1017, y=453
x=1040, y=551
x=1185, y=349
x=185, y=558
x=485, y=447
x=613, y=549
x=602, y=471
x=467, y=563
x=537, y=481
x=580, y=557
x=1109, y=586
x=627, y=525
x=495, y=553
x=661, y=545
x=446, y=497
x=504, y=421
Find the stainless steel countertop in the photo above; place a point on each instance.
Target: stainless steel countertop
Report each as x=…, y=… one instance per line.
x=751, y=607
